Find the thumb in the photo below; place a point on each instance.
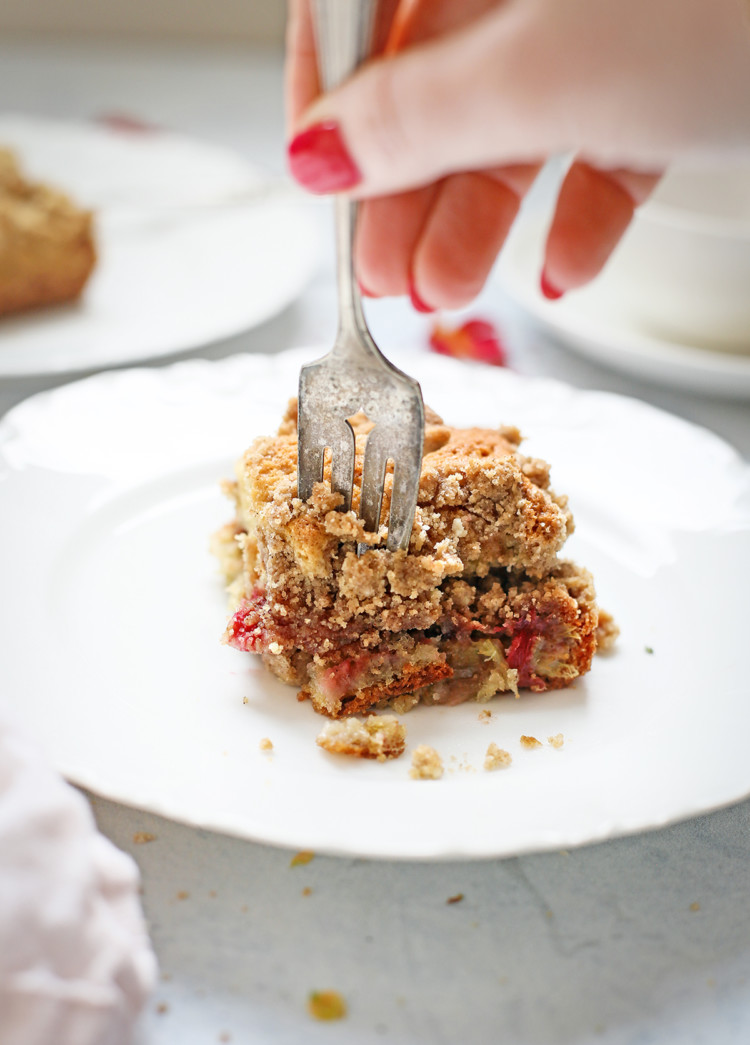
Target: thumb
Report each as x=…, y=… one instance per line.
x=409, y=119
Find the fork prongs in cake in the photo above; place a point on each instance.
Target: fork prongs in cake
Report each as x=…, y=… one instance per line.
x=393, y=402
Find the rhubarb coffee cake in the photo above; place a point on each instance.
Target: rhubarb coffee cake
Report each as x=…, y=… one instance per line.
x=47, y=250
x=480, y=604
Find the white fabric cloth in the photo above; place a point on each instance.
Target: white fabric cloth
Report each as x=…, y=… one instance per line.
x=76, y=965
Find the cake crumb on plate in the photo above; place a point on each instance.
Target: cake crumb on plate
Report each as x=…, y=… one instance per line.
x=426, y=763
x=266, y=744
x=530, y=742
x=485, y=716
x=497, y=758
x=381, y=737
x=557, y=740
x=606, y=632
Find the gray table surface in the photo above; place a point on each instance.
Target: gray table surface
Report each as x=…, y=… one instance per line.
x=639, y=940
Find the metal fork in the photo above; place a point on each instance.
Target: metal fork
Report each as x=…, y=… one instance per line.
x=355, y=375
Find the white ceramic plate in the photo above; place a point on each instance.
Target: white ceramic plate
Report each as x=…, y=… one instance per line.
x=112, y=611
x=194, y=246
x=595, y=323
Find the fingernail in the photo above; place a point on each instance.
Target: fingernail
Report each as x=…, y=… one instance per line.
x=365, y=292
x=549, y=290
x=419, y=305
x=319, y=159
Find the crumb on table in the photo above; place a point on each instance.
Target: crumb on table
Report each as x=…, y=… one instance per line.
x=302, y=858
x=530, y=742
x=426, y=763
x=326, y=1005
x=497, y=758
x=557, y=740
x=183, y=895
x=142, y=837
x=455, y=899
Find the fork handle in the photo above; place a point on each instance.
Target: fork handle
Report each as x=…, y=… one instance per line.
x=344, y=31
x=343, y=35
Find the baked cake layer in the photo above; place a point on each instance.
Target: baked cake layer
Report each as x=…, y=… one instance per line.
x=47, y=248
x=479, y=605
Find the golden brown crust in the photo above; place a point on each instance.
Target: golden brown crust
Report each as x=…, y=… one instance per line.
x=47, y=250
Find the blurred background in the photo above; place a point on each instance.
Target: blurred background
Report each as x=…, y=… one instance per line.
x=256, y=21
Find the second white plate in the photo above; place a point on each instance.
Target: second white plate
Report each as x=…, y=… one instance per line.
x=195, y=245
x=112, y=611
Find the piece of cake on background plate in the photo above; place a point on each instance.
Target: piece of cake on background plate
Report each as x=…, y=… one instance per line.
x=47, y=250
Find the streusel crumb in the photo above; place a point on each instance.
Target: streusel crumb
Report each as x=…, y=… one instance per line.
x=530, y=742
x=497, y=758
x=607, y=632
x=379, y=736
x=426, y=763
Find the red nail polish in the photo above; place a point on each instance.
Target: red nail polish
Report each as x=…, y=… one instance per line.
x=550, y=291
x=419, y=305
x=319, y=159
x=365, y=292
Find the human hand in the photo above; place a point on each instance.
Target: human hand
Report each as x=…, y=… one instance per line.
x=444, y=134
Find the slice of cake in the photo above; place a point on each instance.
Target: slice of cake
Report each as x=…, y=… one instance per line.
x=47, y=248
x=481, y=604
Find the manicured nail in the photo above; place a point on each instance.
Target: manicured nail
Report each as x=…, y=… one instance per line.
x=319, y=159
x=549, y=290
x=419, y=305
x=364, y=290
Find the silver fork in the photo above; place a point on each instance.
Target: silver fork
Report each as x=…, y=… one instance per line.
x=355, y=375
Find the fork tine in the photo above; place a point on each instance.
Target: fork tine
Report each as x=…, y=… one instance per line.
x=403, y=497
x=309, y=467
x=373, y=476
x=342, y=462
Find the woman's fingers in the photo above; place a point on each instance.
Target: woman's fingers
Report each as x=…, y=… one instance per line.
x=388, y=126
x=438, y=244
x=465, y=230
x=388, y=232
x=594, y=208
